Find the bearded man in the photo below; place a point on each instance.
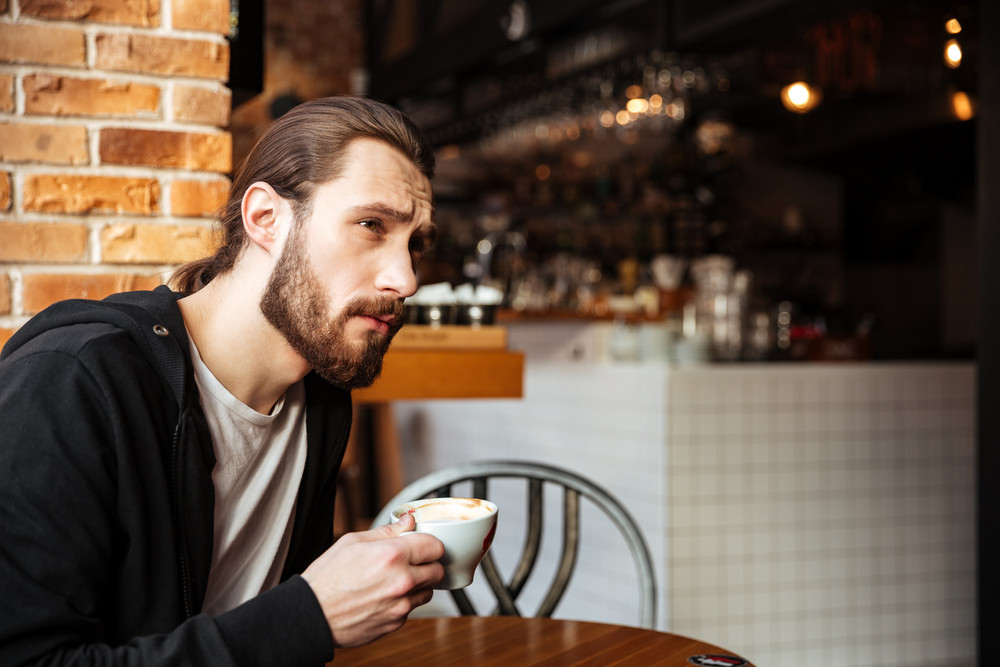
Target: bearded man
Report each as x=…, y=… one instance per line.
x=168, y=458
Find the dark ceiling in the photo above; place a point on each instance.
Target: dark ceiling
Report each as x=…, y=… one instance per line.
x=456, y=66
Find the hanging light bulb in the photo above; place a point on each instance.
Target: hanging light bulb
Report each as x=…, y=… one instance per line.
x=637, y=105
x=799, y=97
x=961, y=105
x=952, y=53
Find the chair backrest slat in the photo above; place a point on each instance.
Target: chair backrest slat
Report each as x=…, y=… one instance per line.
x=570, y=549
x=534, y=538
x=463, y=603
x=505, y=600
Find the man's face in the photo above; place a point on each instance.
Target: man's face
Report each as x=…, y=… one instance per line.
x=336, y=292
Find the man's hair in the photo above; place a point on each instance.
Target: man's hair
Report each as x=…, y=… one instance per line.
x=300, y=151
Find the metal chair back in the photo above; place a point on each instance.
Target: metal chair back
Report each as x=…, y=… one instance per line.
x=439, y=484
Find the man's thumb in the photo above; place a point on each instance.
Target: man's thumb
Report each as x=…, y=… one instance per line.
x=405, y=524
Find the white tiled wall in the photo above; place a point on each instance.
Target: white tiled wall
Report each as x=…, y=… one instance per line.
x=824, y=515
x=797, y=514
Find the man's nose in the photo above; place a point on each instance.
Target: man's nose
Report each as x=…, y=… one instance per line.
x=398, y=274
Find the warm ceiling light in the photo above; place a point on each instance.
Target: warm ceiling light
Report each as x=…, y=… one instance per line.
x=607, y=118
x=799, y=97
x=623, y=117
x=952, y=53
x=953, y=26
x=637, y=105
x=961, y=106
x=633, y=91
x=542, y=172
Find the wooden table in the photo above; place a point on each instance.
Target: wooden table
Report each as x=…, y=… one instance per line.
x=511, y=640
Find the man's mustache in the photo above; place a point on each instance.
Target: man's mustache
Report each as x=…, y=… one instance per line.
x=376, y=307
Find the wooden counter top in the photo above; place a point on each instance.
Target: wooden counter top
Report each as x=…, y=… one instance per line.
x=428, y=374
x=447, y=363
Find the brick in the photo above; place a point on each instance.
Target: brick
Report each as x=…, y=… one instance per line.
x=45, y=45
x=159, y=148
x=155, y=244
x=163, y=55
x=202, y=105
x=197, y=198
x=6, y=92
x=207, y=15
x=43, y=242
x=40, y=290
x=5, y=303
x=74, y=193
x=52, y=144
x=67, y=96
x=4, y=191
x=146, y=13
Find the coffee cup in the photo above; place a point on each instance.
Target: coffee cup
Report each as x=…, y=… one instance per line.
x=465, y=527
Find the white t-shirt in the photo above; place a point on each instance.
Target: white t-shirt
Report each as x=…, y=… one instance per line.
x=259, y=464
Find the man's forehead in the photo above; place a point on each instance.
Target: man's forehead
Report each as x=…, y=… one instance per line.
x=382, y=179
x=372, y=158
x=367, y=150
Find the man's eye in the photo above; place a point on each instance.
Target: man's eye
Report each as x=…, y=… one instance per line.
x=373, y=225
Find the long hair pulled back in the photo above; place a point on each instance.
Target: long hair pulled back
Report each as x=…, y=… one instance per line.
x=300, y=151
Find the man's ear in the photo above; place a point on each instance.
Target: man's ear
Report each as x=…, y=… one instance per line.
x=266, y=216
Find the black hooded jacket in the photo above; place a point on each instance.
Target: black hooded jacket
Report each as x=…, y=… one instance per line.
x=106, y=500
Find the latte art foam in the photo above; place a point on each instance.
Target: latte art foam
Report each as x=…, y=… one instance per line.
x=449, y=510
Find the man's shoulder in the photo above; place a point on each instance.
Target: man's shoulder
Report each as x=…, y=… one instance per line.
x=101, y=350
x=74, y=340
x=121, y=329
x=139, y=314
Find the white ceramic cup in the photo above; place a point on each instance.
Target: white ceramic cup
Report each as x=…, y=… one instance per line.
x=464, y=525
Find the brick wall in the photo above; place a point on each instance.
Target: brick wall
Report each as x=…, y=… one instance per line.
x=114, y=145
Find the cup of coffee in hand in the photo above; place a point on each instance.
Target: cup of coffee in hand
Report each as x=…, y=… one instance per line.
x=464, y=525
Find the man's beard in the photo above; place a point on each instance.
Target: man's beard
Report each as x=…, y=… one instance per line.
x=294, y=303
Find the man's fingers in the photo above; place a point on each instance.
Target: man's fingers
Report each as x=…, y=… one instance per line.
x=418, y=547
x=421, y=597
x=428, y=574
x=405, y=523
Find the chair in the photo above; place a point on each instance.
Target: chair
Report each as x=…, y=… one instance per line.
x=439, y=484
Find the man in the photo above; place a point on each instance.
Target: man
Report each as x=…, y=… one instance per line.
x=167, y=466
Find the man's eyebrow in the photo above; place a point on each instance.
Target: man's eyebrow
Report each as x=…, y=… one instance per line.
x=386, y=211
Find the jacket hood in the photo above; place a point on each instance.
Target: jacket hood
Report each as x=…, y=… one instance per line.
x=151, y=318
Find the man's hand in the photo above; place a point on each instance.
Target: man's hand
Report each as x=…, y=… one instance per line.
x=367, y=583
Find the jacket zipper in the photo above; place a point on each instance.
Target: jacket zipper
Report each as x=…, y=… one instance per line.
x=175, y=518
